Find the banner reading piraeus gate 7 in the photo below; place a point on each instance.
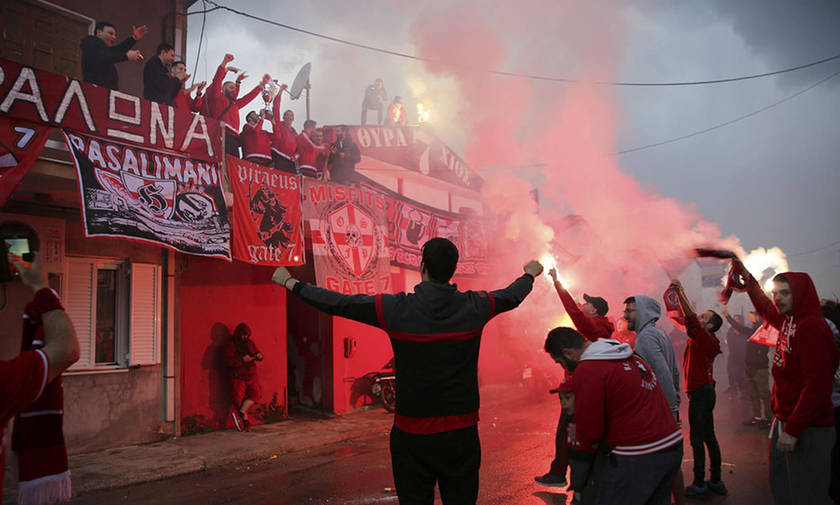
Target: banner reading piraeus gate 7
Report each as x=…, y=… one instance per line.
x=349, y=237
x=267, y=226
x=153, y=196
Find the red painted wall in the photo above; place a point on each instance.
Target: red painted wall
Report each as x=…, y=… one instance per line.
x=215, y=295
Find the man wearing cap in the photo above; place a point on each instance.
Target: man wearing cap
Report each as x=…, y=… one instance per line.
x=591, y=321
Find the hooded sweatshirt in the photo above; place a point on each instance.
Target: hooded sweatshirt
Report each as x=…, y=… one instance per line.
x=618, y=398
x=654, y=346
x=699, y=357
x=224, y=108
x=435, y=333
x=805, y=359
x=592, y=328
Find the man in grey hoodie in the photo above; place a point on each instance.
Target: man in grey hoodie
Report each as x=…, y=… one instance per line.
x=654, y=346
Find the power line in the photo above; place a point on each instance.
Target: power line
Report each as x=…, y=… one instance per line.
x=200, y=39
x=731, y=121
x=818, y=249
x=536, y=77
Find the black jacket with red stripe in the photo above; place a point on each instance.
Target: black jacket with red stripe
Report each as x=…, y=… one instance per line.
x=435, y=333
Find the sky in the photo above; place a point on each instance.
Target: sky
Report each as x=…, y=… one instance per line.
x=769, y=180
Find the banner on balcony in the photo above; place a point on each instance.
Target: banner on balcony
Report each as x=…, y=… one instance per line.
x=414, y=148
x=267, y=226
x=153, y=196
x=349, y=237
x=42, y=97
x=411, y=224
x=20, y=144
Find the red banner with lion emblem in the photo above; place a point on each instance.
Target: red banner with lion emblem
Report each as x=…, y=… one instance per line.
x=267, y=226
x=349, y=237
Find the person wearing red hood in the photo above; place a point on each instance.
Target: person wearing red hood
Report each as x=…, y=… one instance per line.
x=806, y=356
x=591, y=321
x=221, y=102
x=700, y=352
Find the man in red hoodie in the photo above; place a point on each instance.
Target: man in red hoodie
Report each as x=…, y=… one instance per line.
x=284, y=137
x=591, y=321
x=618, y=402
x=698, y=360
x=806, y=357
x=308, y=150
x=256, y=142
x=221, y=102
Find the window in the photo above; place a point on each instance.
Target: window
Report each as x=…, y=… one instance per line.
x=115, y=308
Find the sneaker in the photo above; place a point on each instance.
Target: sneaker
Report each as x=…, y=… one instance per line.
x=696, y=490
x=717, y=487
x=237, y=423
x=246, y=425
x=551, y=480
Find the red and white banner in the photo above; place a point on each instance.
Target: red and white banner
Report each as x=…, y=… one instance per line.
x=411, y=224
x=765, y=335
x=20, y=144
x=267, y=226
x=349, y=237
x=413, y=148
x=42, y=97
x=153, y=196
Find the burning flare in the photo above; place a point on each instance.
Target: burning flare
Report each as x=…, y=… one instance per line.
x=764, y=264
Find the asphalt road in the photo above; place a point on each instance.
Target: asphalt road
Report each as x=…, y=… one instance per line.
x=517, y=444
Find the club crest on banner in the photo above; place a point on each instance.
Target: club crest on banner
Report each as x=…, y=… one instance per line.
x=155, y=196
x=352, y=235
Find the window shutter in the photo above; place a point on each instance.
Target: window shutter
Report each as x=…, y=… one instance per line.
x=145, y=314
x=81, y=307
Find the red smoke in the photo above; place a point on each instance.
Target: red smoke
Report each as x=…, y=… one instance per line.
x=524, y=133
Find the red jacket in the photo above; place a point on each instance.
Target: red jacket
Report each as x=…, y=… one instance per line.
x=233, y=353
x=284, y=138
x=618, y=398
x=308, y=152
x=256, y=142
x=219, y=106
x=699, y=356
x=592, y=328
x=805, y=359
x=183, y=100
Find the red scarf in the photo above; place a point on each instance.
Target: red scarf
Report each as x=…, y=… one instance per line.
x=38, y=438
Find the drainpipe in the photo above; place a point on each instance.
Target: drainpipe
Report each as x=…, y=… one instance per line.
x=168, y=343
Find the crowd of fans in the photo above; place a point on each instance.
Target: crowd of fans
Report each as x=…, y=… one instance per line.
x=165, y=81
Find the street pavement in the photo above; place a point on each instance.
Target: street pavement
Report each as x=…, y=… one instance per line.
x=516, y=431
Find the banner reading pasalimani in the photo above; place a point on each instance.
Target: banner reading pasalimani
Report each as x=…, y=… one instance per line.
x=349, y=237
x=267, y=226
x=152, y=196
x=20, y=144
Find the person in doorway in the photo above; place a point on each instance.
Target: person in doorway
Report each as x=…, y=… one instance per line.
x=435, y=333
x=240, y=358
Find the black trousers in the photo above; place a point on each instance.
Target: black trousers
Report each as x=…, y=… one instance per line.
x=283, y=163
x=377, y=106
x=450, y=459
x=701, y=404
x=559, y=463
x=232, y=143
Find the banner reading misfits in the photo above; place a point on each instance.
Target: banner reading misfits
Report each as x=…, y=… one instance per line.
x=20, y=145
x=267, y=226
x=43, y=97
x=411, y=224
x=152, y=196
x=349, y=237
x=413, y=148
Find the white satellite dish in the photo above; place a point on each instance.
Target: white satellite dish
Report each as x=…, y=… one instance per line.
x=300, y=81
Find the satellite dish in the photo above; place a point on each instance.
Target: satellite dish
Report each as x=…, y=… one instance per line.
x=300, y=81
